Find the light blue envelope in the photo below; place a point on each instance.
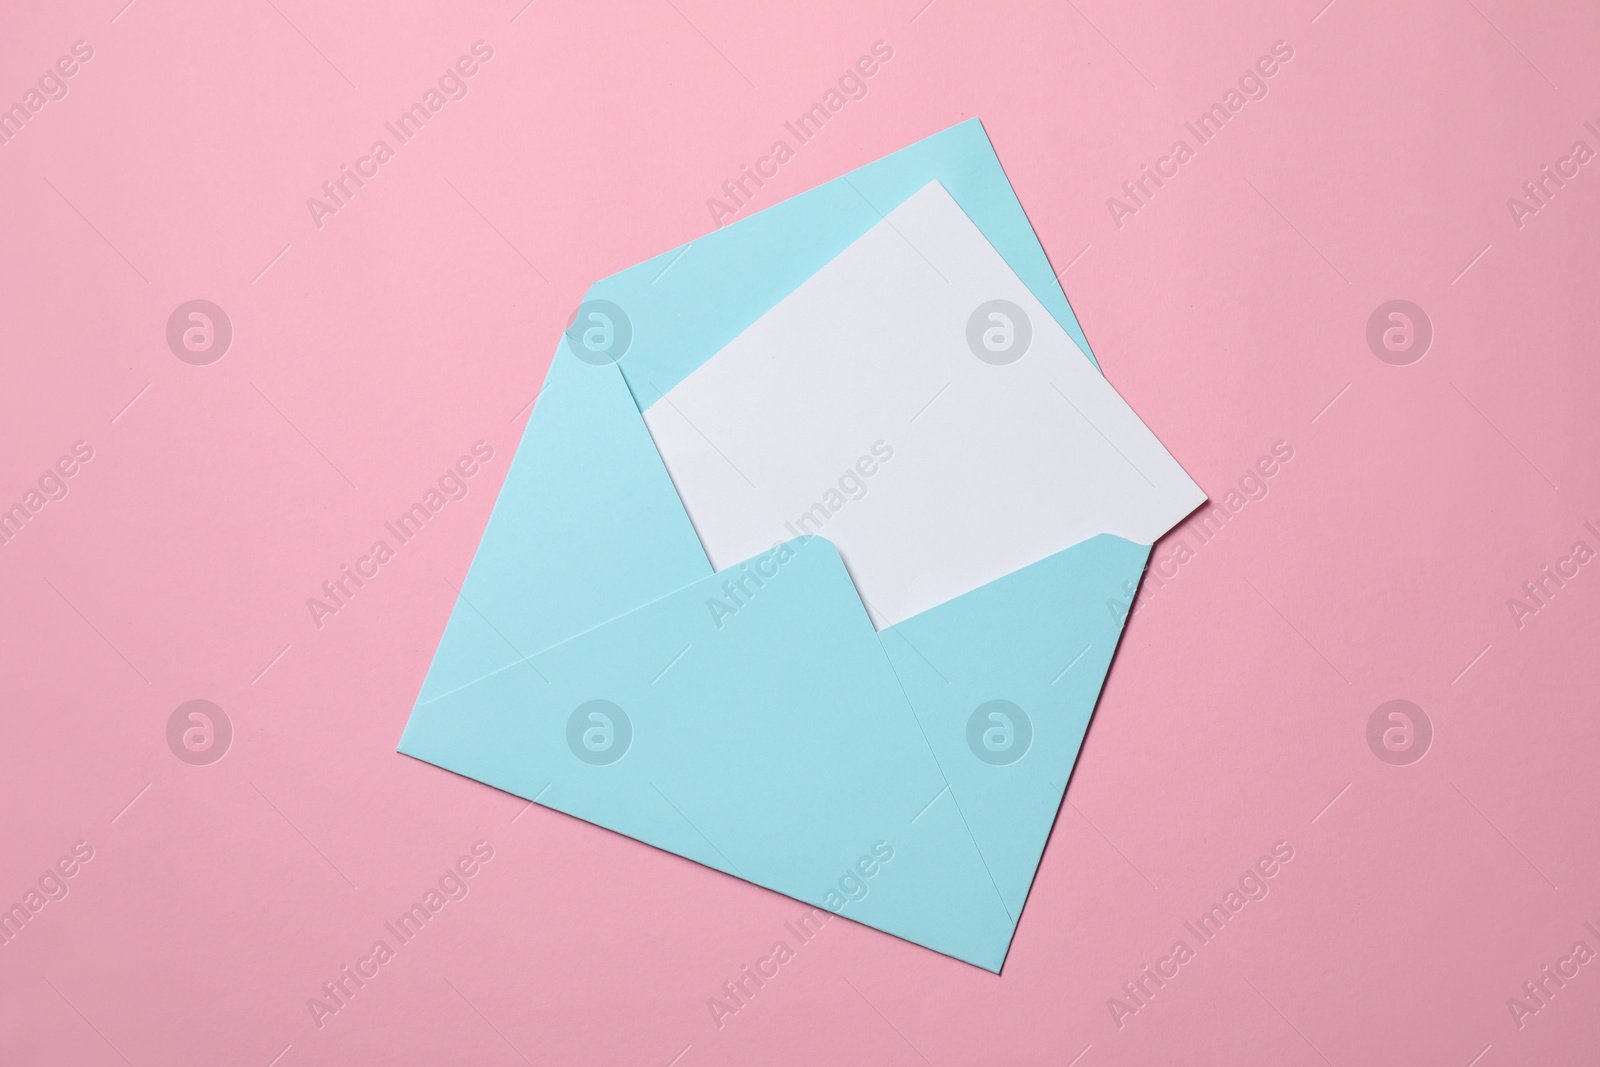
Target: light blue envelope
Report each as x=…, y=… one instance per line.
x=907, y=779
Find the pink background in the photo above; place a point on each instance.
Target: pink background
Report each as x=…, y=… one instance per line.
x=368, y=354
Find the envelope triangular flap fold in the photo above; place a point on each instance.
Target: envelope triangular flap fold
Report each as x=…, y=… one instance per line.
x=686, y=304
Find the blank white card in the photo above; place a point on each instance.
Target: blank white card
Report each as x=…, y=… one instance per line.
x=913, y=403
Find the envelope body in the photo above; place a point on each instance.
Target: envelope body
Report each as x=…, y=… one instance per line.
x=901, y=765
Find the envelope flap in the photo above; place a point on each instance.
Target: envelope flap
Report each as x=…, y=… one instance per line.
x=686, y=304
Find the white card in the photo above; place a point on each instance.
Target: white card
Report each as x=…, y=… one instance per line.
x=913, y=403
